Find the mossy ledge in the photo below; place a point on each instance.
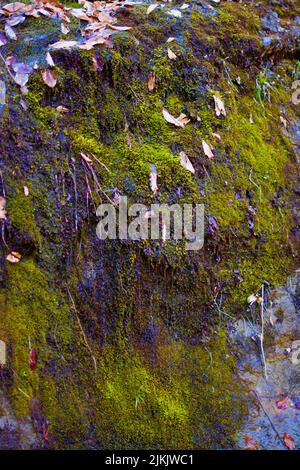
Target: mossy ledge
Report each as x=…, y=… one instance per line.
x=153, y=368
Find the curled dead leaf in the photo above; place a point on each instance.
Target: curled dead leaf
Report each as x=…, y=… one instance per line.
x=186, y=163
x=219, y=106
x=289, y=441
x=171, y=54
x=14, y=257
x=171, y=119
x=207, y=150
x=50, y=78
x=26, y=190
x=151, y=81
x=49, y=59
x=152, y=8
x=251, y=443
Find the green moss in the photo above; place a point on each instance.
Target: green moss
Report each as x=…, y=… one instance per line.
x=21, y=212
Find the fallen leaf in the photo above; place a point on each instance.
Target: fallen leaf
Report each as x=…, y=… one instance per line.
x=251, y=443
x=10, y=32
x=289, y=441
x=186, y=163
x=254, y=298
x=33, y=357
x=26, y=190
x=219, y=106
x=13, y=7
x=175, y=13
x=14, y=257
x=87, y=159
x=49, y=59
x=120, y=28
x=23, y=104
x=152, y=8
x=207, y=150
x=153, y=178
x=284, y=403
x=21, y=79
x=183, y=119
x=168, y=117
x=64, y=28
x=20, y=67
x=217, y=136
x=151, y=81
x=62, y=109
x=171, y=54
x=251, y=119
x=63, y=44
x=50, y=78
x=170, y=39
x=2, y=208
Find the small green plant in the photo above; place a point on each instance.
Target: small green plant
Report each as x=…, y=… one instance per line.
x=263, y=88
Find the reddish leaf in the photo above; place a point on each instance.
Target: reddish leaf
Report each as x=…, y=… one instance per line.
x=289, y=441
x=251, y=443
x=283, y=403
x=32, y=359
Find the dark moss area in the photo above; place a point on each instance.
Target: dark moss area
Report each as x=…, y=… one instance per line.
x=151, y=313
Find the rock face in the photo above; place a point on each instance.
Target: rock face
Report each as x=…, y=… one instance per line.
x=275, y=408
x=130, y=336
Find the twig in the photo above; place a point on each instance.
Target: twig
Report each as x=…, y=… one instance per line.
x=267, y=415
x=255, y=184
x=24, y=393
x=262, y=306
x=82, y=330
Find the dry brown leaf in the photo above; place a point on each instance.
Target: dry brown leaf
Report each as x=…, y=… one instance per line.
x=183, y=119
x=186, y=163
x=289, y=441
x=153, y=179
x=10, y=32
x=151, y=81
x=26, y=190
x=120, y=28
x=152, y=8
x=171, y=54
x=49, y=59
x=13, y=7
x=63, y=44
x=14, y=257
x=219, y=106
x=64, y=28
x=251, y=443
x=50, y=78
x=62, y=109
x=168, y=117
x=207, y=150
x=217, y=136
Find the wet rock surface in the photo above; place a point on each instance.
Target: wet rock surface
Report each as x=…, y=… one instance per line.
x=131, y=341
x=274, y=399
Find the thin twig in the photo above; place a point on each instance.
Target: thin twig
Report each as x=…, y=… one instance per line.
x=255, y=184
x=82, y=330
x=262, y=306
x=267, y=415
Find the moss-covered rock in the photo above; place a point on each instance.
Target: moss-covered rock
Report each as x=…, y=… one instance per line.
x=131, y=336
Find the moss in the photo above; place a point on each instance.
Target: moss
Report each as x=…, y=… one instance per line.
x=165, y=378
x=21, y=213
